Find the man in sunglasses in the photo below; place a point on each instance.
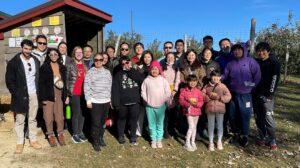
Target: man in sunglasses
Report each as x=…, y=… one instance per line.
x=168, y=47
x=41, y=48
x=124, y=51
x=21, y=78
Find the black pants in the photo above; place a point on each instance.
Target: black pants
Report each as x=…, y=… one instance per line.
x=77, y=115
x=264, y=118
x=170, y=121
x=131, y=111
x=99, y=113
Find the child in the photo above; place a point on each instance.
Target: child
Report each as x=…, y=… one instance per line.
x=191, y=100
x=217, y=94
x=155, y=92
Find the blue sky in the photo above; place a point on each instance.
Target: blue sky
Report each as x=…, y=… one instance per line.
x=170, y=19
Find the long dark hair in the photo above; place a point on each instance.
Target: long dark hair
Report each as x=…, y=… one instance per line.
x=48, y=60
x=142, y=62
x=165, y=66
x=196, y=64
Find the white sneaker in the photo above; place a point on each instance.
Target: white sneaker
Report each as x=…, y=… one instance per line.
x=189, y=148
x=220, y=146
x=159, y=144
x=194, y=145
x=211, y=147
x=153, y=144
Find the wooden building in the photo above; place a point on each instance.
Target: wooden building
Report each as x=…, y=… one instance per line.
x=72, y=21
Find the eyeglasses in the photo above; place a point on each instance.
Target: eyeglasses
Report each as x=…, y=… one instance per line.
x=96, y=60
x=168, y=47
x=29, y=69
x=41, y=43
x=124, y=49
x=55, y=54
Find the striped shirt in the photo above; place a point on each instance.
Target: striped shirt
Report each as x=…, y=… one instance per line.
x=97, y=85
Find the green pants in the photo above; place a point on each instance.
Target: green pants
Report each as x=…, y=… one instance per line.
x=156, y=122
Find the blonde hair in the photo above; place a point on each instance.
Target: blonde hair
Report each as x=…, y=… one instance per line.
x=74, y=50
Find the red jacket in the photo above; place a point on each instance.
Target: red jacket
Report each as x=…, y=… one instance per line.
x=224, y=96
x=185, y=95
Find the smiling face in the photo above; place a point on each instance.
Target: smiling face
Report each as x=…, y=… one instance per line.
x=207, y=55
x=238, y=53
x=154, y=72
x=124, y=50
x=26, y=50
x=87, y=52
x=53, y=56
x=105, y=59
x=78, y=54
x=41, y=44
x=263, y=54
x=62, y=49
x=139, y=50
x=191, y=57
x=192, y=84
x=147, y=59
x=99, y=60
x=179, y=47
x=215, y=79
x=170, y=58
x=168, y=47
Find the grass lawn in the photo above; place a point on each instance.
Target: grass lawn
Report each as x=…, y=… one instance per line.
x=287, y=115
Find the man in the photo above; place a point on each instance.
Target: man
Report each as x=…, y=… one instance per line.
x=138, y=49
x=224, y=55
x=263, y=95
x=179, y=44
x=124, y=51
x=41, y=49
x=208, y=42
x=241, y=75
x=168, y=47
x=62, y=48
x=87, y=56
x=21, y=76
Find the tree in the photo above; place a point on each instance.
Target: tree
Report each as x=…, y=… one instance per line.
x=154, y=48
x=279, y=36
x=192, y=43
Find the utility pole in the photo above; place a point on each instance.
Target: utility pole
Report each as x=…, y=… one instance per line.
x=252, y=36
x=287, y=55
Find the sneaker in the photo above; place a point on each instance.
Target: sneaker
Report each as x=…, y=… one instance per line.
x=96, y=147
x=121, y=140
x=244, y=141
x=188, y=147
x=19, y=149
x=220, y=146
x=76, y=139
x=193, y=144
x=159, y=144
x=235, y=139
x=82, y=137
x=35, y=145
x=211, y=147
x=52, y=141
x=101, y=142
x=273, y=147
x=61, y=139
x=133, y=143
x=153, y=144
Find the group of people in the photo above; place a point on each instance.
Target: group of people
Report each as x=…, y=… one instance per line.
x=180, y=92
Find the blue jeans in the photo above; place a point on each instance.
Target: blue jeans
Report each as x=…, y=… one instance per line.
x=240, y=113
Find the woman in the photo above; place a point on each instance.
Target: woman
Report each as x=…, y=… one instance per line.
x=52, y=94
x=97, y=89
x=75, y=78
x=208, y=64
x=172, y=74
x=106, y=62
x=143, y=68
x=62, y=49
x=191, y=65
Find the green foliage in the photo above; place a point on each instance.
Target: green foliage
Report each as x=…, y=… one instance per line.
x=193, y=43
x=154, y=48
x=279, y=36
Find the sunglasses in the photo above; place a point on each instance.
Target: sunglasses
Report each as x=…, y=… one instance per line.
x=29, y=69
x=55, y=54
x=96, y=60
x=41, y=43
x=127, y=62
x=168, y=47
x=124, y=49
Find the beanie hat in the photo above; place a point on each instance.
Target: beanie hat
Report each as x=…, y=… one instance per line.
x=155, y=64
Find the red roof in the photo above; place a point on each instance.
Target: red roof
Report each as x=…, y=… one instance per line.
x=50, y=6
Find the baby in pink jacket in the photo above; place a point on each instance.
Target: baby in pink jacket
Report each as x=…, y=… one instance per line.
x=191, y=100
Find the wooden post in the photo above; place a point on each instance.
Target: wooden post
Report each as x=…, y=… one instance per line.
x=117, y=45
x=252, y=36
x=287, y=55
x=185, y=43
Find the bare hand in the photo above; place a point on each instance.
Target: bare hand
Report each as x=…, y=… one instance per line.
x=89, y=105
x=67, y=100
x=44, y=102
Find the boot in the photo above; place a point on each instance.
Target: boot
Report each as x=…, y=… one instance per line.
x=96, y=146
x=61, y=139
x=51, y=139
x=101, y=141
